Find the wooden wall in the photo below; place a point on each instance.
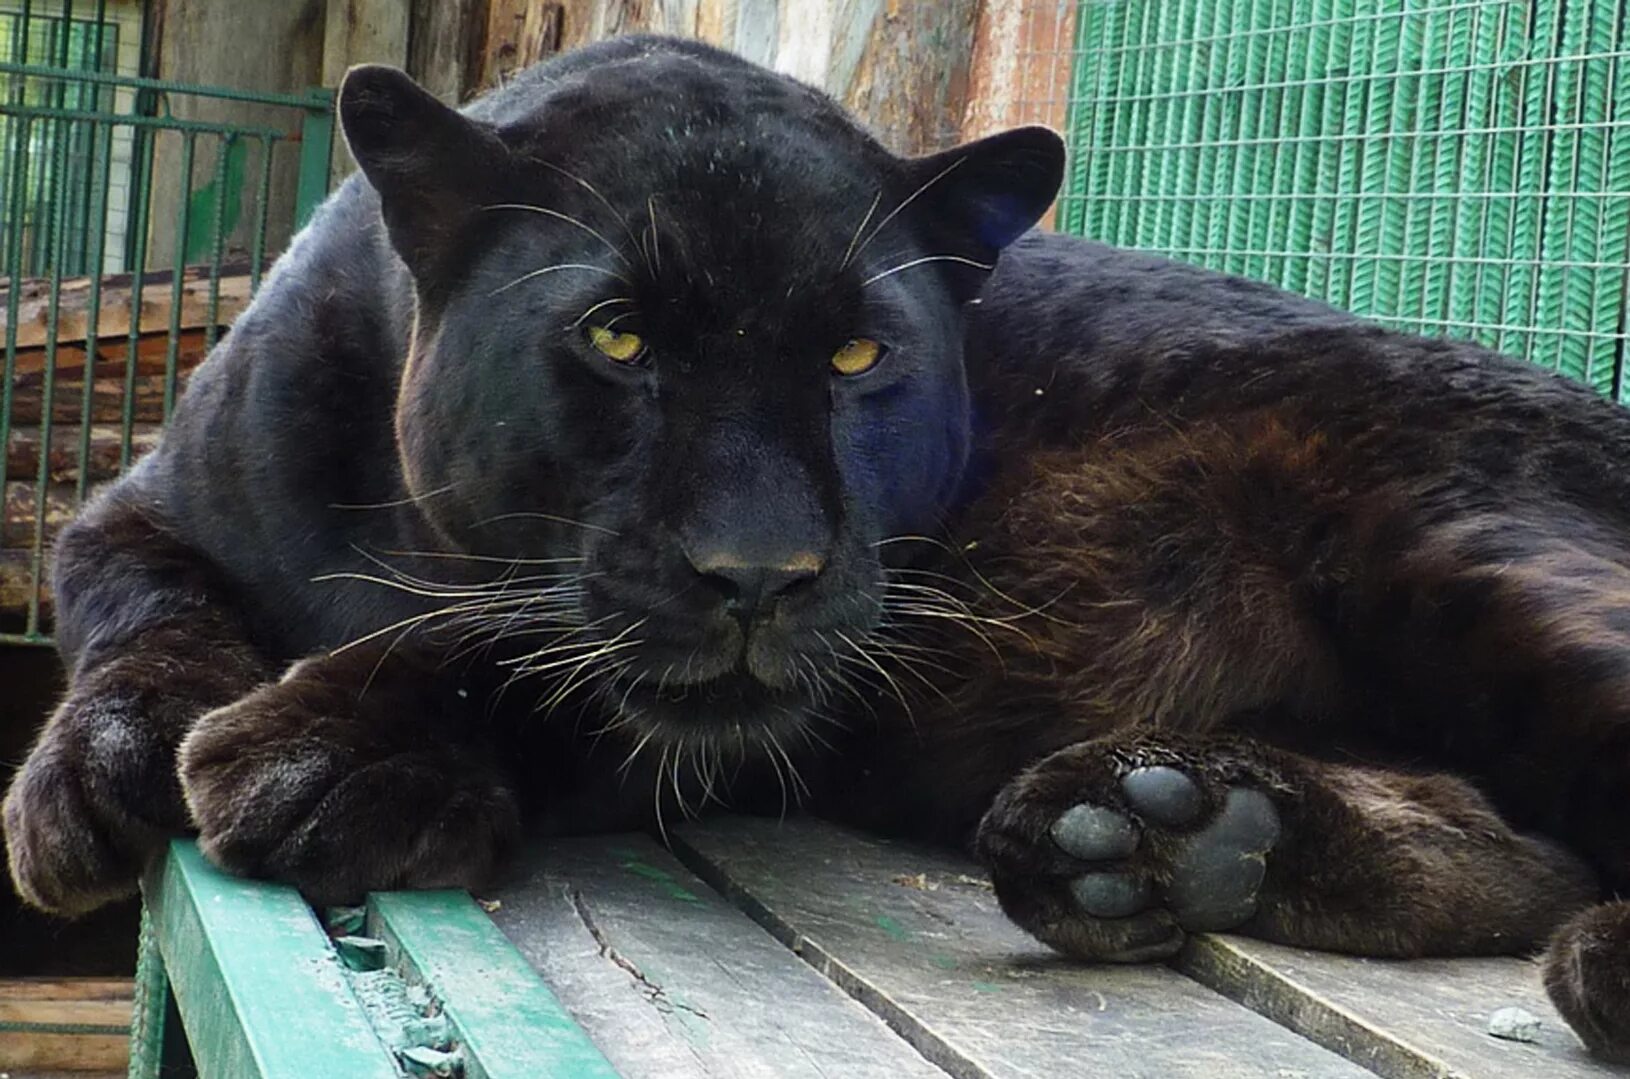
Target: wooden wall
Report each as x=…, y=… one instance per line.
x=922, y=74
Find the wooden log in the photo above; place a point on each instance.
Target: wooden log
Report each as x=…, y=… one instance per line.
x=82, y=1024
x=156, y=312
x=63, y=465
x=107, y=400
x=17, y=586
x=23, y=509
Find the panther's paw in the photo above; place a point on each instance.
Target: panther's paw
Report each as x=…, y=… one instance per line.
x=1587, y=973
x=338, y=804
x=95, y=798
x=1114, y=856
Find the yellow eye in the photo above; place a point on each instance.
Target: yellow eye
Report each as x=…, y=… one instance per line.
x=857, y=357
x=622, y=347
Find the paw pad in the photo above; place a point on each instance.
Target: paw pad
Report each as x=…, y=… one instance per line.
x=1094, y=833
x=1212, y=872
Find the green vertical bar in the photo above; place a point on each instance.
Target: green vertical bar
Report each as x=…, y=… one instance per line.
x=1297, y=184
x=223, y=152
x=42, y=481
x=316, y=143
x=1214, y=113
x=138, y=222
x=93, y=309
x=1252, y=140
x=1469, y=216
x=150, y=1002
x=14, y=258
x=263, y=202
x=1613, y=233
x=1220, y=212
x=1561, y=243
x=1372, y=232
x=1347, y=219
x=1523, y=280
x=1591, y=297
x=189, y=142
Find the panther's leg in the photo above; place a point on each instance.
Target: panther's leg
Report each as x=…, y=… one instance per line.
x=1114, y=848
x=151, y=642
x=357, y=771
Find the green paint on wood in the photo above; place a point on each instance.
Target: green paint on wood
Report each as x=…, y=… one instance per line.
x=894, y=929
x=670, y=885
x=259, y=990
x=508, y=1023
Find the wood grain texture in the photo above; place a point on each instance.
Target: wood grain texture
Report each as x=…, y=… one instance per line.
x=672, y=981
x=1405, y=1020
x=78, y=1024
x=917, y=936
x=156, y=307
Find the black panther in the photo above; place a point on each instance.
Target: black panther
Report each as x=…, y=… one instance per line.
x=647, y=436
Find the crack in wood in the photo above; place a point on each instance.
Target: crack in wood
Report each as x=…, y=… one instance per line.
x=655, y=993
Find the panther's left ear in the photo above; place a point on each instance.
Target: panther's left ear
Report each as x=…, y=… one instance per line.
x=993, y=189
x=428, y=162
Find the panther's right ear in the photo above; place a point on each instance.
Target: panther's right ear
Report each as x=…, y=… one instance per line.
x=429, y=163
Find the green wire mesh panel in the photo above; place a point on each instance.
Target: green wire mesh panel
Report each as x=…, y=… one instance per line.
x=1443, y=167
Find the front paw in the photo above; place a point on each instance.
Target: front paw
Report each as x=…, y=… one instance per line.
x=1115, y=853
x=299, y=788
x=95, y=798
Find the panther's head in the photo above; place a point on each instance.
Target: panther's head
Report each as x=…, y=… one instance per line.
x=688, y=356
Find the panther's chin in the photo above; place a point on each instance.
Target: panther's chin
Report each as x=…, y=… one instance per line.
x=732, y=708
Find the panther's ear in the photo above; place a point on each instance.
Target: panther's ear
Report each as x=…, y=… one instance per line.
x=992, y=190
x=428, y=162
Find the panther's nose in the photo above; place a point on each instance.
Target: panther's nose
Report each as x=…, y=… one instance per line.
x=751, y=588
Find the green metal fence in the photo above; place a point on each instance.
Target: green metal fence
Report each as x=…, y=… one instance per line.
x=136, y=218
x=1444, y=166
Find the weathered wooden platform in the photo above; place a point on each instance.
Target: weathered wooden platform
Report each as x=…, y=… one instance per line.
x=763, y=948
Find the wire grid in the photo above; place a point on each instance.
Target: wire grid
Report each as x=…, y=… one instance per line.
x=1444, y=166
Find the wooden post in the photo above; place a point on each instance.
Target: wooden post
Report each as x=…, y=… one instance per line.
x=361, y=32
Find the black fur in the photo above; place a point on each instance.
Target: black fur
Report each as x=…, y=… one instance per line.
x=1188, y=604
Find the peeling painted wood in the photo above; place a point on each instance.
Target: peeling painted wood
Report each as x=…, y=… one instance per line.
x=257, y=985
x=508, y=1024
x=1406, y=1020
x=672, y=981
x=917, y=936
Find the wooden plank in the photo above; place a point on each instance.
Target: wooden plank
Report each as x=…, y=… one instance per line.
x=63, y=464
x=17, y=585
x=74, y=1024
x=258, y=987
x=673, y=981
x=508, y=1023
x=157, y=303
x=445, y=40
x=107, y=397
x=1423, y=1017
x=917, y=936
x=22, y=510
x=361, y=32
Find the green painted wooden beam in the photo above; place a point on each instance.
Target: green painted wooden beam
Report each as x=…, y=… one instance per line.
x=508, y=1023
x=257, y=985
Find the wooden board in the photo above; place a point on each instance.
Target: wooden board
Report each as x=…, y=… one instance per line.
x=73, y=1024
x=917, y=936
x=672, y=981
x=156, y=312
x=255, y=980
x=507, y=1023
x=1410, y=1019
x=102, y=460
